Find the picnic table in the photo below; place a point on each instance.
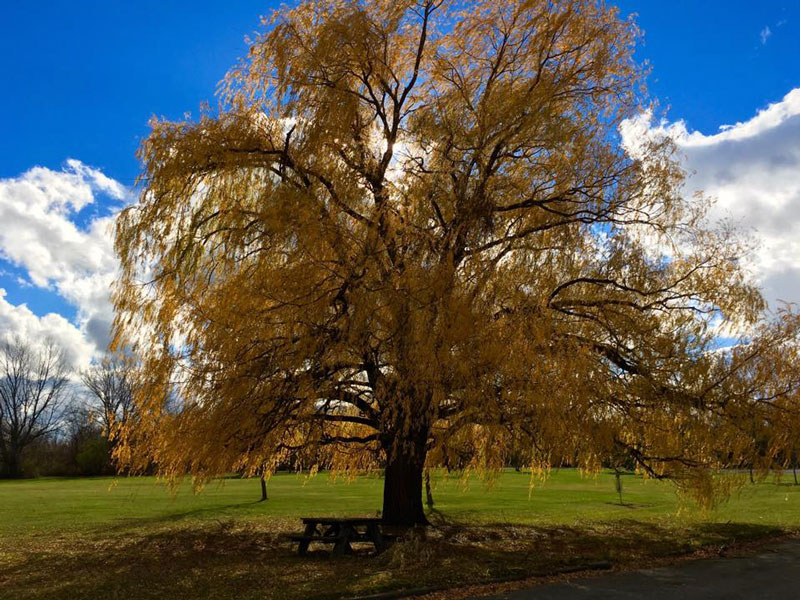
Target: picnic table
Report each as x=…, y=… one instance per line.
x=341, y=532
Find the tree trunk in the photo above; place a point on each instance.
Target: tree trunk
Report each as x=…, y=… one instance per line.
x=11, y=466
x=263, y=489
x=618, y=485
x=402, y=486
x=794, y=470
x=428, y=494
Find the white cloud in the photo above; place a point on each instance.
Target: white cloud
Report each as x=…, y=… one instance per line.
x=764, y=35
x=38, y=234
x=752, y=169
x=20, y=321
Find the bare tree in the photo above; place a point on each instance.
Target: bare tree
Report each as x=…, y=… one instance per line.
x=34, y=385
x=110, y=386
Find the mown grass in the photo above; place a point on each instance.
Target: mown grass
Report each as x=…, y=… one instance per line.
x=133, y=538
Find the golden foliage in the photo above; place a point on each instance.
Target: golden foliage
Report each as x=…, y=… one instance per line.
x=410, y=230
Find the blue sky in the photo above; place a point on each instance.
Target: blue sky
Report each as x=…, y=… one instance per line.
x=82, y=78
x=86, y=76
x=709, y=65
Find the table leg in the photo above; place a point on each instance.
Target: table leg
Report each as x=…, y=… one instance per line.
x=311, y=529
x=374, y=533
x=342, y=545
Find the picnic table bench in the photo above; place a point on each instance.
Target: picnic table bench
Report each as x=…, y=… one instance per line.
x=341, y=532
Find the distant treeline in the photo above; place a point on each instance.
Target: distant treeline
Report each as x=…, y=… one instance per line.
x=55, y=420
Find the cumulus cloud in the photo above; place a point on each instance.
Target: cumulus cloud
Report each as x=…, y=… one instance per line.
x=38, y=210
x=764, y=35
x=752, y=169
x=18, y=320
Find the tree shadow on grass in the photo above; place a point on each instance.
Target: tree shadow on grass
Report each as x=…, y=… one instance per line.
x=124, y=523
x=256, y=560
x=631, y=505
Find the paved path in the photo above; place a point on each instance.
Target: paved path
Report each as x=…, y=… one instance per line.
x=773, y=573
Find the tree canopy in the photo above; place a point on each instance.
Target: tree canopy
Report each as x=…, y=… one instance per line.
x=410, y=232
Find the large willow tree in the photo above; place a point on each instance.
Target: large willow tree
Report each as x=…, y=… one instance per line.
x=410, y=234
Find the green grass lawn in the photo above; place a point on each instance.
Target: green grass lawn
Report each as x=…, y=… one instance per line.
x=134, y=538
